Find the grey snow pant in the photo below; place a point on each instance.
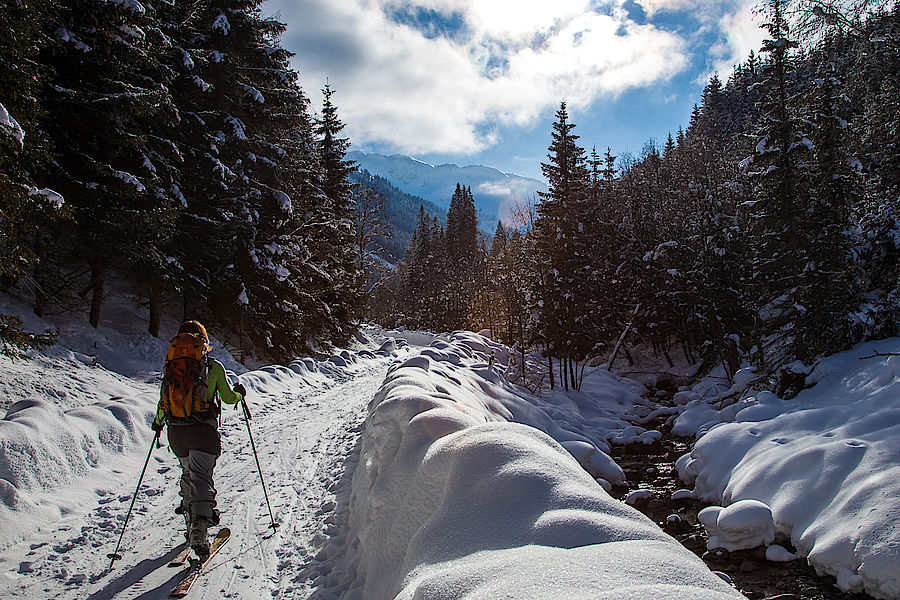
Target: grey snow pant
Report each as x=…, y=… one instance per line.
x=197, y=446
x=198, y=494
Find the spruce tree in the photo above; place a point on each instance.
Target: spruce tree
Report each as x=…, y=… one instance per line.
x=562, y=233
x=108, y=100
x=779, y=214
x=344, y=297
x=460, y=257
x=27, y=209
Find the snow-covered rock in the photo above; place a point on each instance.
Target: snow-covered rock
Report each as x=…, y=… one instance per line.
x=739, y=526
x=776, y=553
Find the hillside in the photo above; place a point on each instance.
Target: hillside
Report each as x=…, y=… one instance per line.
x=495, y=191
x=402, y=211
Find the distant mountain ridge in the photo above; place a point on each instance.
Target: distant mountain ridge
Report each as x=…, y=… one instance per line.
x=494, y=191
x=402, y=213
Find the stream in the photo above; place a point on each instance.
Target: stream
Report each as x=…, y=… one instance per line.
x=653, y=467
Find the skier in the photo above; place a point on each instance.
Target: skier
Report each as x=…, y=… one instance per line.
x=194, y=384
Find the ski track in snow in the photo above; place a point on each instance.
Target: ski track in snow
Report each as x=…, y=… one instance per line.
x=304, y=444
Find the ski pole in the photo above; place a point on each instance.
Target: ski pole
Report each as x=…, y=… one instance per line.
x=256, y=456
x=115, y=554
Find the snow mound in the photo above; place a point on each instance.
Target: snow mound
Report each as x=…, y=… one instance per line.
x=776, y=553
x=743, y=525
x=826, y=462
x=452, y=498
x=43, y=447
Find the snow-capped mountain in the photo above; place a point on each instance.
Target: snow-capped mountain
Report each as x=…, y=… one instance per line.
x=495, y=191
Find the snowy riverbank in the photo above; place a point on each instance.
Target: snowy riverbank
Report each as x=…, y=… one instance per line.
x=827, y=463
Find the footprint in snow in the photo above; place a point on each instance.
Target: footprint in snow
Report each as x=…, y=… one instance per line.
x=66, y=546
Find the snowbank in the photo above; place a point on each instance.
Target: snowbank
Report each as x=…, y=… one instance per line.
x=827, y=463
x=452, y=498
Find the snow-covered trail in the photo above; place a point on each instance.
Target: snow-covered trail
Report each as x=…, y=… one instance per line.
x=303, y=443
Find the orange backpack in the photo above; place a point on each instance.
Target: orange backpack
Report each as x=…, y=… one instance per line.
x=185, y=380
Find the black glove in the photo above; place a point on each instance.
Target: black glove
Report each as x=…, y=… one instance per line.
x=155, y=426
x=240, y=389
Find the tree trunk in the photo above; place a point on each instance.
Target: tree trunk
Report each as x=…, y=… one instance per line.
x=572, y=366
x=40, y=296
x=98, y=275
x=185, y=314
x=153, y=326
x=550, y=366
x=241, y=338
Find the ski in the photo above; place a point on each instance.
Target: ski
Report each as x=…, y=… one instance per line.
x=181, y=590
x=182, y=557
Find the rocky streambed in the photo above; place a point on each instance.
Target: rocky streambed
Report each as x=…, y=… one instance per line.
x=652, y=467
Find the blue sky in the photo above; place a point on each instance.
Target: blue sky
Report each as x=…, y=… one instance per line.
x=479, y=81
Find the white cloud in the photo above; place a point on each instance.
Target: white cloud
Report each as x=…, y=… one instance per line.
x=735, y=20
x=395, y=87
x=651, y=7
x=493, y=188
x=743, y=32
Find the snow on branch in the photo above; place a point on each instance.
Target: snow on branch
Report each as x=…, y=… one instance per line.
x=53, y=197
x=221, y=24
x=129, y=178
x=655, y=254
x=186, y=59
x=10, y=126
x=237, y=127
x=284, y=201
x=131, y=5
x=201, y=84
x=253, y=93
x=65, y=35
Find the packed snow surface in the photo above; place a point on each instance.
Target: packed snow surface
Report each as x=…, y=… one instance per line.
x=827, y=463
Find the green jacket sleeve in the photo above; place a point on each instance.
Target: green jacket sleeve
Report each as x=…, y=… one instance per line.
x=160, y=418
x=218, y=382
